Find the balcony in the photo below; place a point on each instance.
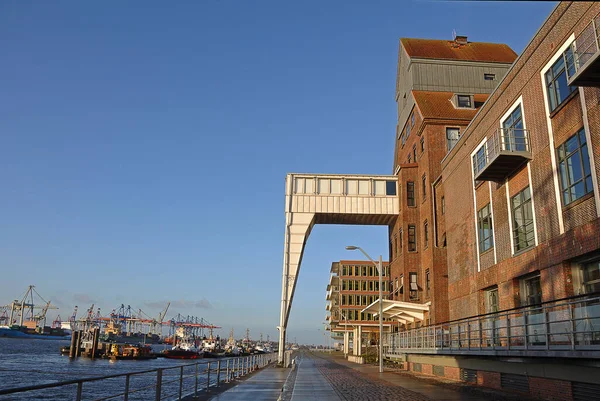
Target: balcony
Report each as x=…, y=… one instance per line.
x=502, y=155
x=563, y=328
x=586, y=52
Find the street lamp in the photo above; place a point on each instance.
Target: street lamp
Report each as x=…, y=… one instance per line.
x=380, y=268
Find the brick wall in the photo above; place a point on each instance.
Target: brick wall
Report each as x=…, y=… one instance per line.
x=550, y=389
x=469, y=272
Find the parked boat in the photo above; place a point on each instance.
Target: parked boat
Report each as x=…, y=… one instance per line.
x=129, y=352
x=185, y=347
x=231, y=348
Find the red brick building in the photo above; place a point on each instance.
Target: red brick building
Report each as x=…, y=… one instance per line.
x=441, y=84
x=506, y=214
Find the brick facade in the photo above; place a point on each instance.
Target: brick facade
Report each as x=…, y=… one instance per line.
x=562, y=233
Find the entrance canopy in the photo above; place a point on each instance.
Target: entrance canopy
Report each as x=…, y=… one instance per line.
x=404, y=312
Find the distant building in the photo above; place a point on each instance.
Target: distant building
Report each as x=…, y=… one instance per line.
x=353, y=286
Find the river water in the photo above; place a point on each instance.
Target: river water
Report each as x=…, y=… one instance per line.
x=25, y=362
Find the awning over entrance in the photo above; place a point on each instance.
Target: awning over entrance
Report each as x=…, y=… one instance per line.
x=404, y=312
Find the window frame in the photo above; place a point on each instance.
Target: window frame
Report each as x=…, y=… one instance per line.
x=482, y=237
x=424, y=186
x=582, y=151
x=425, y=234
x=459, y=98
x=411, y=200
x=413, y=294
x=422, y=141
x=552, y=77
x=412, y=245
x=452, y=141
x=524, y=205
x=526, y=284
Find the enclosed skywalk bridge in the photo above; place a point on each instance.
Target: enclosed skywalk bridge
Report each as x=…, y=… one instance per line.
x=328, y=199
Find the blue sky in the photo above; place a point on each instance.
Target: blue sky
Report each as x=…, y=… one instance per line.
x=144, y=145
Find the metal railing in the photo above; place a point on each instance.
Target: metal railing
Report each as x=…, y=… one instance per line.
x=585, y=46
x=568, y=326
x=503, y=140
x=170, y=383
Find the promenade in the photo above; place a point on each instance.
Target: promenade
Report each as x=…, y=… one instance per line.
x=331, y=378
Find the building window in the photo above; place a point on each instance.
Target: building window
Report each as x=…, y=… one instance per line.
x=425, y=234
x=410, y=193
x=402, y=137
x=413, y=287
x=412, y=119
x=427, y=282
x=513, y=131
x=484, y=228
x=443, y=205
x=412, y=238
x=480, y=159
x=523, y=234
x=452, y=137
x=574, y=168
x=401, y=288
x=415, y=152
x=424, y=186
x=491, y=300
x=409, y=159
x=556, y=79
x=531, y=290
x=590, y=280
x=400, y=238
x=489, y=77
x=395, y=245
x=422, y=144
x=464, y=101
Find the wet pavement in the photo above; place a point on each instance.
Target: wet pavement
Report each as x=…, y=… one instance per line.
x=329, y=378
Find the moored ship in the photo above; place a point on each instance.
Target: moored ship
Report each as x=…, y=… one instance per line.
x=23, y=321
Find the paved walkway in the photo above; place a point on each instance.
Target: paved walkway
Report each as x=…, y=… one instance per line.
x=329, y=378
x=264, y=385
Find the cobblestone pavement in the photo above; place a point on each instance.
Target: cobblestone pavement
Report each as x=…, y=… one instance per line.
x=352, y=385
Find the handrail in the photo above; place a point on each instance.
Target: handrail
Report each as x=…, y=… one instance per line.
x=586, y=44
x=235, y=367
x=564, y=325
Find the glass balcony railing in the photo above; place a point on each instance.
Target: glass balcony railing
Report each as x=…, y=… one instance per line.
x=505, y=152
x=569, y=327
x=586, y=51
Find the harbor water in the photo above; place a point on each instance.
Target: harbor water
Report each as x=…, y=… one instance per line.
x=31, y=362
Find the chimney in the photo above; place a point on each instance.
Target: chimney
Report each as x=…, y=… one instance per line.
x=461, y=40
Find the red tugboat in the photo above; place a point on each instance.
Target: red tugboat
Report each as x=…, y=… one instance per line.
x=185, y=348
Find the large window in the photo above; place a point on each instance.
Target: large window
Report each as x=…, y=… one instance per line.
x=413, y=286
x=513, y=134
x=556, y=80
x=574, y=168
x=531, y=290
x=491, y=300
x=522, y=216
x=484, y=228
x=412, y=238
x=591, y=277
x=452, y=137
x=410, y=193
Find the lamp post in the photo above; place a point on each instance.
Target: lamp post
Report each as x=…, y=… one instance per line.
x=380, y=268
